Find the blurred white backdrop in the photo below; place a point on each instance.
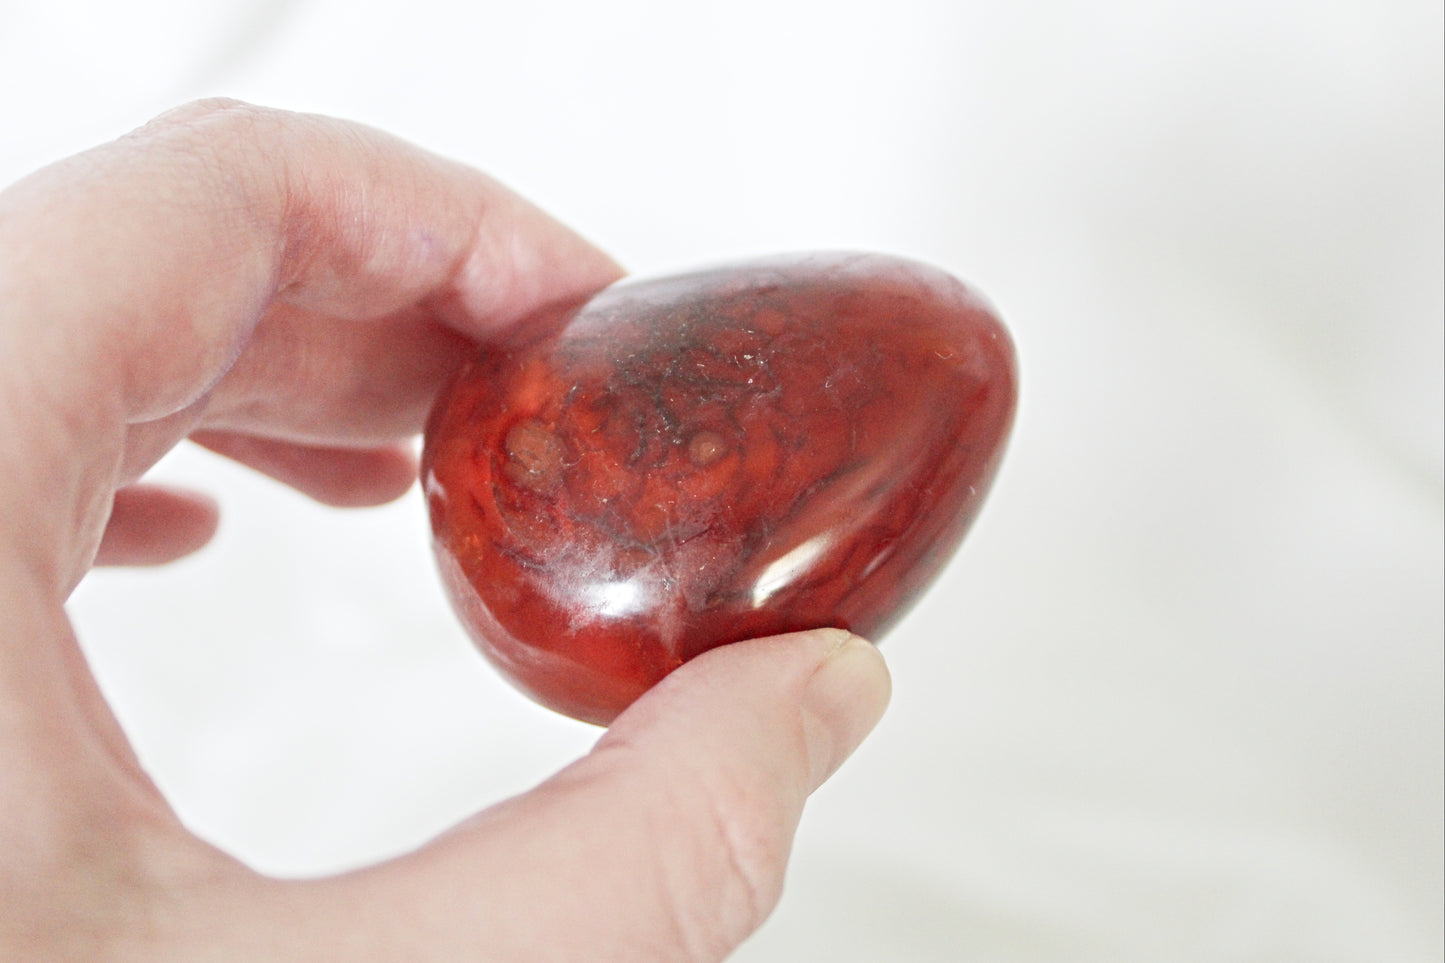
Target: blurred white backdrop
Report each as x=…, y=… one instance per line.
x=1180, y=696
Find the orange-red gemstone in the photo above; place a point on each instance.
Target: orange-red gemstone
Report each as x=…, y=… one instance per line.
x=680, y=463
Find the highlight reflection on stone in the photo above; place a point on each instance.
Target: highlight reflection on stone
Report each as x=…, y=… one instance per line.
x=684, y=462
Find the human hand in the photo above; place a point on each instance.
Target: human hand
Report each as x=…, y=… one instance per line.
x=291, y=292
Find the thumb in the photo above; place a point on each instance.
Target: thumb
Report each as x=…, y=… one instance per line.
x=668, y=841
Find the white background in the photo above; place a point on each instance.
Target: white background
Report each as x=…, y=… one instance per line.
x=1180, y=696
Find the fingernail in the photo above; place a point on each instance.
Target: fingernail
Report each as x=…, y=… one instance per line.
x=843, y=700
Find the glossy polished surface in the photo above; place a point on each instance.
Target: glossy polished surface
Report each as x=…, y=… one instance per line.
x=685, y=462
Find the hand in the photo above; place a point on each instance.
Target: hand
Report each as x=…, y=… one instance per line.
x=291, y=291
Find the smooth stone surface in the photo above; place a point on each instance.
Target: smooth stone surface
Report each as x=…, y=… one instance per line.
x=689, y=461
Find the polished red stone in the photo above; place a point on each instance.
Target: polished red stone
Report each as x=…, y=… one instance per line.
x=685, y=462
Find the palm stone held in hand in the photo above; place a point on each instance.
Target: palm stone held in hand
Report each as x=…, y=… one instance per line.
x=675, y=464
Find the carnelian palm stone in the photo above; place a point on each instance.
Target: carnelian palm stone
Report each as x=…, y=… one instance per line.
x=617, y=486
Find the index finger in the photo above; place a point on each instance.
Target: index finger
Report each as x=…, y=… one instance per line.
x=134, y=274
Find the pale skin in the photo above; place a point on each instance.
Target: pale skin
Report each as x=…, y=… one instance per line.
x=290, y=292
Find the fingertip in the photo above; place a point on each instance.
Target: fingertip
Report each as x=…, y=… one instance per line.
x=154, y=524
x=829, y=684
x=829, y=677
x=738, y=739
x=843, y=701
x=522, y=260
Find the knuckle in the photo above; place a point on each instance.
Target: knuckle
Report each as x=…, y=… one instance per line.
x=217, y=132
x=734, y=855
x=752, y=846
x=205, y=109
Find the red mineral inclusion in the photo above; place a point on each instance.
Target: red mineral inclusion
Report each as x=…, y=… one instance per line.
x=685, y=462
